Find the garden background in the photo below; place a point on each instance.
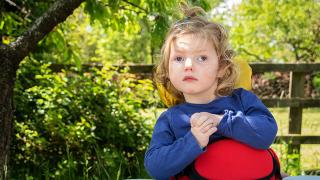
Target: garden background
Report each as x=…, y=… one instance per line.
x=96, y=123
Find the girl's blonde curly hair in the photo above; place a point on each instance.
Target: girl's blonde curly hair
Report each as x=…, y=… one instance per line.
x=196, y=24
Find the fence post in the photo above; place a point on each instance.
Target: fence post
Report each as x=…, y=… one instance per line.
x=296, y=90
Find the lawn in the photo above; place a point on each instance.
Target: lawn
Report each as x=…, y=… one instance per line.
x=310, y=154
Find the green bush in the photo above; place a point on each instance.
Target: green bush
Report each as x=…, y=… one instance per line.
x=80, y=125
x=316, y=81
x=290, y=163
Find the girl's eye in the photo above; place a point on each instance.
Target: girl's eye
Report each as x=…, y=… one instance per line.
x=179, y=59
x=202, y=58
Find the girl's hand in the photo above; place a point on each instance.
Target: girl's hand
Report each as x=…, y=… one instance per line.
x=203, y=125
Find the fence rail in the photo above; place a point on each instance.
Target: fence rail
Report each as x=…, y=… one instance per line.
x=292, y=102
x=298, y=139
x=296, y=102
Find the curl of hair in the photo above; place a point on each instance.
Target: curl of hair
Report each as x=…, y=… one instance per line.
x=190, y=12
x=197, y=25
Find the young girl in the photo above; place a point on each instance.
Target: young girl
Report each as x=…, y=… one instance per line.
x=196, y=68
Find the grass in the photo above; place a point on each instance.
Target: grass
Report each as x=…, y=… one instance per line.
x=310, y=154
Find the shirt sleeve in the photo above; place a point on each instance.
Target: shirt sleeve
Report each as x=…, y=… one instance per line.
x=167, y=156
x=253, y=125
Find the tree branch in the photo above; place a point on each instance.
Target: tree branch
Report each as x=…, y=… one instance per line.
x=11, y=3
x=56, y=14
x=134, y=5
x=21, y=9
x=126, y=9
x=251, y=54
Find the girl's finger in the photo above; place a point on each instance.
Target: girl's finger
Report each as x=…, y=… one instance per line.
x=204, y=129
x=211, y=131
x=207, y=122
x=201, y=120
x=193, y=119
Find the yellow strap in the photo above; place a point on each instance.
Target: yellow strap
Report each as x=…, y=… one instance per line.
x=244, y=80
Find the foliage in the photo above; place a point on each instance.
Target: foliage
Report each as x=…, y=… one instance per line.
x=79, y=41
x=16, y=16
x=316, y=82
x=278, y=31
x=148, y=20
x=290, y=163
x=114, y=31
x=274, y=31
x=80, y=124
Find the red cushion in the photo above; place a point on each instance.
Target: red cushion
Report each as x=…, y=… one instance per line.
x=230, y=159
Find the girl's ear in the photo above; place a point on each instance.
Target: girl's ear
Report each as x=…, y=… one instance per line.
x=222, y=71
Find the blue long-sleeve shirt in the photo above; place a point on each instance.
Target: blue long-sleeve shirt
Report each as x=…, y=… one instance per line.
x=173, y=146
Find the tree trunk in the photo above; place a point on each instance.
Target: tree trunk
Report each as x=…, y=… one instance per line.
x=10, y=57
x=7, y=76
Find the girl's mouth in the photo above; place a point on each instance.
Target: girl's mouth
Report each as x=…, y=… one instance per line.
x=189, y=78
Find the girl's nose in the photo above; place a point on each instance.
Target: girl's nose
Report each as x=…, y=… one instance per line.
x=188, y=64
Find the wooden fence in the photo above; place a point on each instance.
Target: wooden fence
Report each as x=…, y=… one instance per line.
x=296, y=102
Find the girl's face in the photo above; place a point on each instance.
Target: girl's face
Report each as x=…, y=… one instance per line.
x=194, y=68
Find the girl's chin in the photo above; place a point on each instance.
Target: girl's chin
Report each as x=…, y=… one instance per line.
x=189, y=93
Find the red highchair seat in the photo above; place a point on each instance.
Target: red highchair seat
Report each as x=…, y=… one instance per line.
x=229, y=159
